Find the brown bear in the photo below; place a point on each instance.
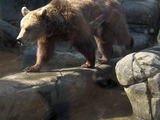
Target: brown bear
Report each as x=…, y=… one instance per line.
x=77, y=21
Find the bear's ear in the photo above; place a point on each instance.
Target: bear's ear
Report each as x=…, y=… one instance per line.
x=24, y=11
x=43, y=12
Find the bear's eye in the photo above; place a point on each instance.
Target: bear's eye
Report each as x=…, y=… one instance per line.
x=27, y=29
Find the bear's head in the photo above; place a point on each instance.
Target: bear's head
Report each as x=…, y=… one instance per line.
x=32, y=25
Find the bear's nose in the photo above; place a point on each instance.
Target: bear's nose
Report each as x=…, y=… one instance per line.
x=18, y=38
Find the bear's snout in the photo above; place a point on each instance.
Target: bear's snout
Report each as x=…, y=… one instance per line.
x=19, y=37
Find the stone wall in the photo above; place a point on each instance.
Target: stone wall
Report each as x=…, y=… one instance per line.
x=139, y=74
x=143, y=18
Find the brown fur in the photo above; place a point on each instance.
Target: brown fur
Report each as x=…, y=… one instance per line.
x=79, y=21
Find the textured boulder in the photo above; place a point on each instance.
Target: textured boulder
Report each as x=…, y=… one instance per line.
x=139, y=74
x=143, y=20
x=61, y=94
x=8, y=34
x=10, y=11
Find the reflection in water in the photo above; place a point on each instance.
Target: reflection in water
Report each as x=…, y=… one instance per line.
x=10, y=63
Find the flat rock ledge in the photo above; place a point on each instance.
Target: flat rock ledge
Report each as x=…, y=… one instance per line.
x=59, y=94
x=139, y=74
x=43, y=95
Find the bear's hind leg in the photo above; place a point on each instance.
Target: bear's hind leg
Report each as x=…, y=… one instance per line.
x=105, y=49
x=44, y=52
x=86, y=48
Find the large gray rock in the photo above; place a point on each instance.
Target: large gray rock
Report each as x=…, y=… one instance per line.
x=154, y=85
x=142, y=12
x=155, y=103
x=8, y=34
x=61, y=94
x=138, y=67
x=140, y=101
x=139, y=74
x=142, y=17
x=143, y=20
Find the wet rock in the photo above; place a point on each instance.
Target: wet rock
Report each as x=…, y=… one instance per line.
x=154, y=85
x=139, y=74
x=124, y=74
x=143, y=20
x=10, y=11
x=20, y=99
x=142, y=41
x=61, y=94
x=104, y=74
x=9, y=29
x=138, y=67
x=8, y=34
x=35, y=96
x=142, y=12
x=138, y=96
x=155, y=102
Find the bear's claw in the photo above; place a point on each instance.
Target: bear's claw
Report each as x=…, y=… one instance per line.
x=32, y=69
x=86, y=65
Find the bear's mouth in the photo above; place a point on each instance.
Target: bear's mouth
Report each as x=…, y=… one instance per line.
x=20, y=42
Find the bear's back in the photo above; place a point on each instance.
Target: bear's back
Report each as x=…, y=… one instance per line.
x=90, y=9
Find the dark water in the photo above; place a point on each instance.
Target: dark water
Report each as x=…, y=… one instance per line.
x=10, y=63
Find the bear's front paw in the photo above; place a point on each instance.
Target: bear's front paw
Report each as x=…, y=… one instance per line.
x=32, y=69
x=87, y=65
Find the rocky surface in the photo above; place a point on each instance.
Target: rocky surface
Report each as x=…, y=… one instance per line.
x=71, y=93
x=139, y=74
x=8, y=34
x=143, y=21
x=60, y=94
